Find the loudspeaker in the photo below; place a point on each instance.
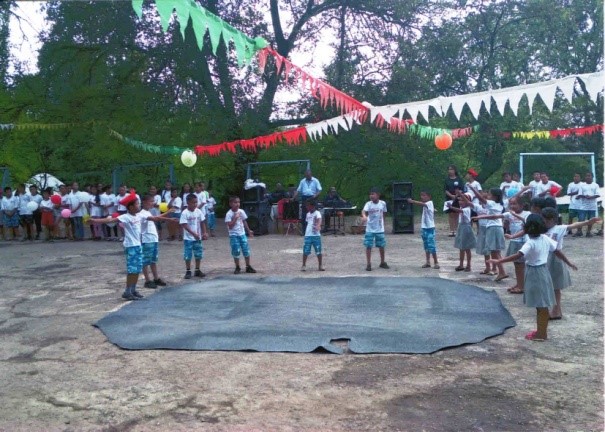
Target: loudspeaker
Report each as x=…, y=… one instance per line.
x=403, y=212
x=259, y=213
x=254, y=194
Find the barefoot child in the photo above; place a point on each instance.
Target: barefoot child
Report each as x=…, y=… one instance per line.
x=312, y=235
x=194, y=231
x=465, y=237
x=539, y=291
x=131, y=224
x=238, y=227
x=427, y=225
x=373, y=216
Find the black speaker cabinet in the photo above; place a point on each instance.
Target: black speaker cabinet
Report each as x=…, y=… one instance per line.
x=402, y=211
x=254, y=194
x=259, y=213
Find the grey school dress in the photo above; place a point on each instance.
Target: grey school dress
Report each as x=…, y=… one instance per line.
x=481, y=241
x=539, y=291
x=465, y=237
x=513, y=248
x=494, y=238
x=559, y=272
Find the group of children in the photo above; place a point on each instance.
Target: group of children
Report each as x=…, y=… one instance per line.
x=535, y=247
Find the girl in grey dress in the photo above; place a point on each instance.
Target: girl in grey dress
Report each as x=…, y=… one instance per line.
x=539, y=291
x=465, y=237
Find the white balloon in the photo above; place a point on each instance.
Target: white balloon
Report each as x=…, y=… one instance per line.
x=32, y=206
x=188, y=158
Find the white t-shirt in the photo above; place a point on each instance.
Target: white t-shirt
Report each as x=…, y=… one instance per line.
x=465, y=216
x=311, y=219
x=108, y=202
x=47, y=204
x=536, y=250
x=23, y=201
x=575, y=203
x=149, y=233
x=201, y=198
x=480, y=210
x=132, y=229
x=194, y=220
x=533, y=188
x=557, y=233
x=155, y=210
x=428, y=215
x=165, y=195
x=375, y=213
x=475, y=184
x=515, y=224
x=591, y=189
x=119, y=206
x=493, y=208
x=36, y=198
x=176, y=203
x=506, y=186
x=96, y=210
x=238, y=228
x=10, y=204
x=210, y=205
x=545, y=187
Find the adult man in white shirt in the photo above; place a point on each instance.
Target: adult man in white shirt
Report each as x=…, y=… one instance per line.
x=76, y=206
x=309, y=188
x=589, y=194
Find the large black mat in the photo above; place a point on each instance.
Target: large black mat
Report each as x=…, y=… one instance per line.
x=377, y=315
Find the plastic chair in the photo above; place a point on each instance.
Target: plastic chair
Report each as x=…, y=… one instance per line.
x=286, y=220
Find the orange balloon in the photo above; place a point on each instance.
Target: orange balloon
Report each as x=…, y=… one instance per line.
x=443, y=141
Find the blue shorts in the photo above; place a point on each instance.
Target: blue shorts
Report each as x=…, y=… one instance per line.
x=211, y=220
x=150, y=253
x=586, y=214
x=574, y=213
x=192, y=248
x=134, y=259
x=314, y=241
x=239, y=244
x=428, y=240
x=11, y=221
x=371, y=239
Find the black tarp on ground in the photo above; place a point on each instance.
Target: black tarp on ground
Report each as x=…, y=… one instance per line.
x=377, y=315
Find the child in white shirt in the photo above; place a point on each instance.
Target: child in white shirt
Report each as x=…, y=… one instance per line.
x=465, y=237
x=194, y=231
x=427, y=225
x=210, y=216
x=237, y=227
x=312, y=235
x=10, y=212
x=373, y=216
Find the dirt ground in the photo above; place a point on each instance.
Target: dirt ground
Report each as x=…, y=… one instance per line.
x=58, y=372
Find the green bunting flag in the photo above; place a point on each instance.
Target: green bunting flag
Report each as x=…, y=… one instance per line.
x=202, y=20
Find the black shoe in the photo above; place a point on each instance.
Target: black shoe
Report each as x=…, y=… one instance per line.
x=384, y=265
x=128, y=296
x=188, y=274
x=237, y=270
x=159, y=282
x=588, y=234
x=198, y=273
x=150, y=284
x=137, y=295
x=249, y=269
x=369, y=268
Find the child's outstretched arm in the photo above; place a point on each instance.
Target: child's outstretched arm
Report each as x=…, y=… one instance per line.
x=584, y=223
x=510, y=258
x=477, y=195
x=563, y=258
x=454, y=209
x=515, y=235
x=107, y=219
x=420, y=203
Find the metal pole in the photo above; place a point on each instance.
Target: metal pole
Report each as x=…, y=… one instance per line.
x=171, y=170
x=521, y=168
x=592, y=166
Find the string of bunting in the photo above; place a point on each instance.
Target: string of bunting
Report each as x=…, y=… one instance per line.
x=557, y=133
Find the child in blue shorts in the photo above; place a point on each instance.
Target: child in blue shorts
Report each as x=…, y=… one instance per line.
x=238, y=227
x=131, y=223
x=373, y=216
x=427, y=225
x=312, y=235
x=194, y=231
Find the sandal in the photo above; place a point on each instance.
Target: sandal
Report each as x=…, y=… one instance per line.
x=515, y=290
x=532, y=337
x=486, y=272
x=426, y=266
x=500, y=277
x=459, y=268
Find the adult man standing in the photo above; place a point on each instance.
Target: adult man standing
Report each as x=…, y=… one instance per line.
x=308, y=188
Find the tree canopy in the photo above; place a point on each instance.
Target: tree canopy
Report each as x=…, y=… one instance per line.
x=102, y=68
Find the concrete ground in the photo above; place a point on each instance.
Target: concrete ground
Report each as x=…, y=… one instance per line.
x=59, y=373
